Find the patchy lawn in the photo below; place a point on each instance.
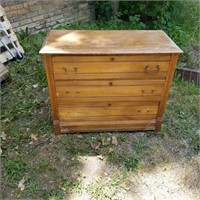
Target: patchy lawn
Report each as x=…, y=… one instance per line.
x=36, y=164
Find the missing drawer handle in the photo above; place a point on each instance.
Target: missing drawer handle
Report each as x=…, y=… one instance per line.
x=148, y=91
x=152, y=69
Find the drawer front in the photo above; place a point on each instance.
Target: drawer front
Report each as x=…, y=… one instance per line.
x=79, y=112
x=110, y=70
x=109, y=91
x=111, y=67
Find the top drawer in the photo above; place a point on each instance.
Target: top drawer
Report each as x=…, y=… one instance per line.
x=149, y=66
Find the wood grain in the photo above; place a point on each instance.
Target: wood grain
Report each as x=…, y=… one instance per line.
x=81, y=101
x=89, y=119
x=108, y=82
x=102, y=91
x=101, y=103
x=106, y=111
x=96, y=128
x=111, y=76
x=110, y=58
x=111, y=67
x=108, y=42
x=168, y=82
x=52, y=93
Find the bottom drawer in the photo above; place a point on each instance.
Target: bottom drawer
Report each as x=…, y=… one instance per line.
x=125, y=125
x=108, y=116
x=104, y=111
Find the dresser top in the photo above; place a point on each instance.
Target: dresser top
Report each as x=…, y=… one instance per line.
x=108, y=42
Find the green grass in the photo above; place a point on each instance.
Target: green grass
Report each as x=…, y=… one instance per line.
x=50, y=165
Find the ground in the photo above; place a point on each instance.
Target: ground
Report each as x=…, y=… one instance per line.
x=36, y=164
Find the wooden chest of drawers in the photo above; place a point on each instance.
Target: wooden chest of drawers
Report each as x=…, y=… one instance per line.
x=108, y=80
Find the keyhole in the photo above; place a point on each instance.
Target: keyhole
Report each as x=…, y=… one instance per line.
x=65, y=69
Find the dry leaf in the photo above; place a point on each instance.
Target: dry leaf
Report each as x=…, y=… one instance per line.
x=100, y=157
x=33, y=137
x=3, y=135
x=6, y=120
x=21, y=185
x=96, y=145
x=110, y=150
x=114, y=140
x=35, y=85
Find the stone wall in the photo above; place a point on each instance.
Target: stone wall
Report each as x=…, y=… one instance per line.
x=39, y=15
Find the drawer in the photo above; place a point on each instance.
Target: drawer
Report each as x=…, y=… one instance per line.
x=111, y=67
x=80, y=112
x=109, y=91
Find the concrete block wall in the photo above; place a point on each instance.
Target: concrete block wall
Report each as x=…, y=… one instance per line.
x=39, y=15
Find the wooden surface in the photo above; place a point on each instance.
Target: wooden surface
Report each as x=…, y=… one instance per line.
x=108, y=42
x=3, y=72
x=108, y=80
x=5, y=55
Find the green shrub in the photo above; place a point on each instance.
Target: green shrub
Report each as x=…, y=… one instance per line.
x=103, y=10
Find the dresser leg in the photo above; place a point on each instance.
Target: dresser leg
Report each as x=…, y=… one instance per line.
x=158, y=123
x=56, y=126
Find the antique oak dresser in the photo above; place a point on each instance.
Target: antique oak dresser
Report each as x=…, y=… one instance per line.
x=108, y=80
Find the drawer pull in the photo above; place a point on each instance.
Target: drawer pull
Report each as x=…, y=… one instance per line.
x=77, y=92
x=109, y=104
x=75, y=69
x=67, y=92
x=110, y=83
x=65, y=69
x=148, y=91
x=150, y=69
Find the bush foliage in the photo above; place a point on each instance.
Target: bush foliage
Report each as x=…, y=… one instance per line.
x=180, y=19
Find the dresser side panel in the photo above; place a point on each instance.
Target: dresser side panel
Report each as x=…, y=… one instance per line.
x=170, y=75
x=52, y=93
